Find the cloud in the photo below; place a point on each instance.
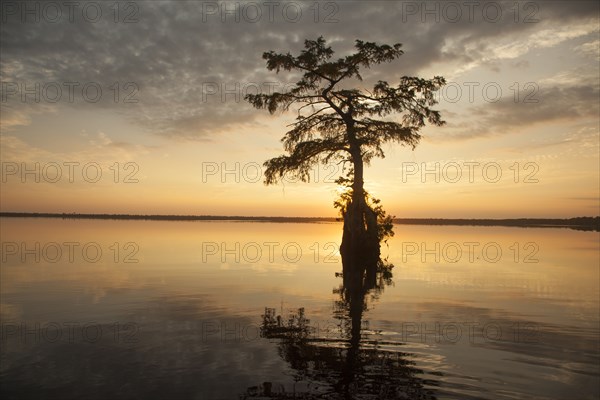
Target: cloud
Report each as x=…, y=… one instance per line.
x=101, y=149
x=574, y=101
x=12, y=119
x=174, y=51
x=590, y=49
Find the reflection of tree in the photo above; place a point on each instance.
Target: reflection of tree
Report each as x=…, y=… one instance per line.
x=349, y=365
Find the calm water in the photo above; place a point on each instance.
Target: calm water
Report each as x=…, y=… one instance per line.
x=124, y=309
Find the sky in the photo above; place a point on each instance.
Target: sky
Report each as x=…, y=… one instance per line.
x=137, y=107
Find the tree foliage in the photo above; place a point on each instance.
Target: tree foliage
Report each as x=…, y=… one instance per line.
x=339, y=124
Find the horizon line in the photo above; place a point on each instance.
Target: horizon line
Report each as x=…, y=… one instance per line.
x=581, y=222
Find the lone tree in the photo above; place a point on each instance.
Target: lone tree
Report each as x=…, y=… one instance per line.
x=335, y=123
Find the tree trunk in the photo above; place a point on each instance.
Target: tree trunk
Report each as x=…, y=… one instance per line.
x=360, y=237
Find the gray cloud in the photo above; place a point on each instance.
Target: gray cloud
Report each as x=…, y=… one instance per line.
x=176, y=51
x=562, y=102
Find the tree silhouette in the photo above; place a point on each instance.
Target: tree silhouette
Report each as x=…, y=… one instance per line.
x=335, y=123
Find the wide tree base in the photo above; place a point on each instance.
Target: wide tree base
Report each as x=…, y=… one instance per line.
x=360, y=248
x=361, y=234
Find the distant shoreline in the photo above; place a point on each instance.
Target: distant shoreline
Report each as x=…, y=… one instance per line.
x=579, y=223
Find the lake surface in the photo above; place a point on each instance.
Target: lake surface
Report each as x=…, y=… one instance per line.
x=149, y=309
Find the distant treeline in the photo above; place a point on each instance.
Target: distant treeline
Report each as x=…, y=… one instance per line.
x=580, y=223
x=166, y=217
